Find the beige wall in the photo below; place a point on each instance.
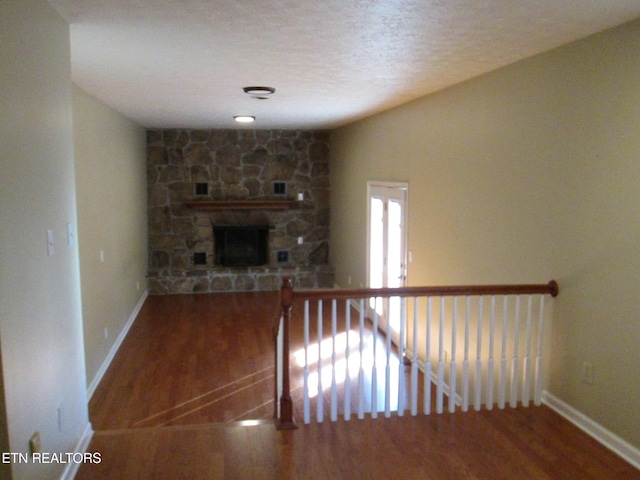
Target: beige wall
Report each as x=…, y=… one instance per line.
x=40, y=307
x=522, y=175
x=110, y=160
x=597, y=246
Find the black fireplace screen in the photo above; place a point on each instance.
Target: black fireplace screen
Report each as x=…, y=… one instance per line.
x=243, y=246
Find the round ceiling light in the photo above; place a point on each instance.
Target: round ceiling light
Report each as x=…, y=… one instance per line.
x=259, y=93
x=244, y=118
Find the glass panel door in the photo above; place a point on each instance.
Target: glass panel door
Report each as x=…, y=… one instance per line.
x=387, y=249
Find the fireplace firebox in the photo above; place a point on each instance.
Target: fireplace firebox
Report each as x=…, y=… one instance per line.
x=240, y=246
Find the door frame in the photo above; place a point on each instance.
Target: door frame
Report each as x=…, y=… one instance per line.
x=399, y=186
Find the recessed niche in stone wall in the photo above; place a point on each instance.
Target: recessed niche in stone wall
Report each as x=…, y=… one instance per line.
x=237, y=165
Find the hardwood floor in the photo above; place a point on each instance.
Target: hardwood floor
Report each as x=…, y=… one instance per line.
x=192, y=365
x=191, y=359
x=514, y=444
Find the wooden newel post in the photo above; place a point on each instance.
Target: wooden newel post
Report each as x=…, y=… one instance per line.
x=286, y=421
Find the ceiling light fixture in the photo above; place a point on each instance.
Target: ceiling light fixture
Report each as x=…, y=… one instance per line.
x=259, y=93
x=244, y=118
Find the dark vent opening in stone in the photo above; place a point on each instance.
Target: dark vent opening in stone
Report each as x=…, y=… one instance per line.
x=240, y=246
x=202, y=189
x=282, y=256
x=200, y=258
x=279, y=188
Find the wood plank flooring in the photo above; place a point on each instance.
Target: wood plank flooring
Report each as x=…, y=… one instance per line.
x=192, y=365
x=514, y=444
x=191, y=359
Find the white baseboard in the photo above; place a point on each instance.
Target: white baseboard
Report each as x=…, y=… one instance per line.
x=114, y=348
x=607, y=438
x=82, y=446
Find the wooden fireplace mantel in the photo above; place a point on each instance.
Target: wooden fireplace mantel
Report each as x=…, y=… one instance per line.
x=240, y=204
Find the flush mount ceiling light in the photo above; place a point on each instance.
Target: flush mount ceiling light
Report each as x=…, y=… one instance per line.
x=259, y=93
x=244, y=118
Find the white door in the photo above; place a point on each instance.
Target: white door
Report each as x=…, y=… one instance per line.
x=387, y=247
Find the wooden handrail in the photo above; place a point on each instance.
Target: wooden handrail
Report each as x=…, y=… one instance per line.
x=288, y=294
x=550, y=288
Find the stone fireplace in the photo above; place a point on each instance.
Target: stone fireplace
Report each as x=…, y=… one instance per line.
x=200, y=182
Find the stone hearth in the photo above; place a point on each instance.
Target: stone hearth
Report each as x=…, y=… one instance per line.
x=208, y=165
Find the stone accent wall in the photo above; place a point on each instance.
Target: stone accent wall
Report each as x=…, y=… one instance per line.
x=237, y=165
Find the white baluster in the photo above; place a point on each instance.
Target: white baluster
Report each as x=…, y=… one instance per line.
x=427, y=368
x=402, y=350
x=490, y=365
x=347, y=352
x=526, y=370
x=374, y=368
x=503, y=357
x=414, y=360
x=387, y=369
x=305, y=396
x=361, y=393
x=478, y=386
x=515, y=361
x=453, y=369
x=440, y=386
x=465, y=363
x=334, y=385
x=320, y=397
x=538, y=380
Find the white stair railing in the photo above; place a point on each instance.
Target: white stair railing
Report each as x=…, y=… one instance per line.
x=446, y=337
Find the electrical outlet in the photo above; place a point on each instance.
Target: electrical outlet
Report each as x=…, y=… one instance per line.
x=34, y=443
x=587, y=373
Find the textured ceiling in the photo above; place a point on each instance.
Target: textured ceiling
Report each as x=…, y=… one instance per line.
x=183, y=63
